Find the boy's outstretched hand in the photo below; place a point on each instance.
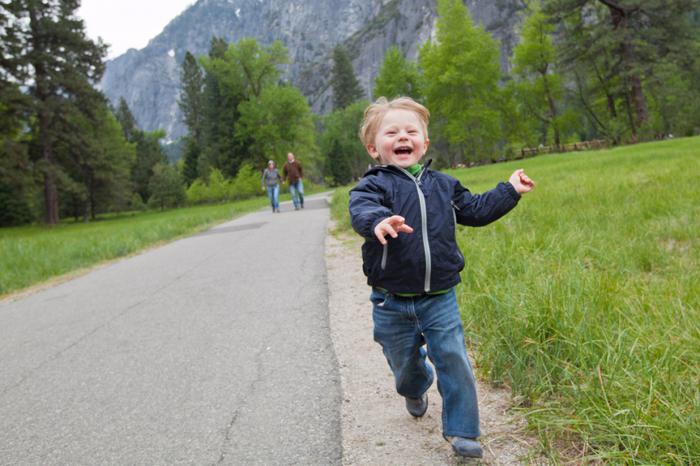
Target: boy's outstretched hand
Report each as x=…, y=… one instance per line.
x=391, y=226
x=521, y=182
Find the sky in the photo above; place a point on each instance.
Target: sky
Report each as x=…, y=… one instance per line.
x=125, y=24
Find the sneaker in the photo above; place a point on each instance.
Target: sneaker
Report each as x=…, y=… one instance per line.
x=466, y=447
x=417, y=406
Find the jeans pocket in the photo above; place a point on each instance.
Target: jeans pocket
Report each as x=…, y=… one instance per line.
x=379, y=297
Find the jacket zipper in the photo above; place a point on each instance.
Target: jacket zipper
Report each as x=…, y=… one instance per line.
x=424, y=224
x=385, y=253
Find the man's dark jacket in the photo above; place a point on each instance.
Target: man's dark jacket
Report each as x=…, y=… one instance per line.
x=432, y=204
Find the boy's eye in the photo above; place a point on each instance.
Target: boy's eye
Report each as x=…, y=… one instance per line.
x=413, y=131
x=390, y=133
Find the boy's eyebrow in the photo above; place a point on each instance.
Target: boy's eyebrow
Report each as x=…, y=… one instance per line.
x=395, y=126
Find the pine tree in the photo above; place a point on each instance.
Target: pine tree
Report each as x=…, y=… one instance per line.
x=127, y=121
x=61, y=65
x=620, y=44
x=191, y=104
x=98, y=161
x=166, y=186
x=345, y=158
x=190, y=101
x=16, y=182
x=346, y=88
x=149, y=153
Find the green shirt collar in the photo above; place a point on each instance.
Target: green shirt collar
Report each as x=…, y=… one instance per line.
x=414, y=169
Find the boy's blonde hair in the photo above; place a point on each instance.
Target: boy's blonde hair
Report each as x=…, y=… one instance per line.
x=374, y=114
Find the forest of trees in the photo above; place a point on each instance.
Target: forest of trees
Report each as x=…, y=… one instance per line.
x=620, y=70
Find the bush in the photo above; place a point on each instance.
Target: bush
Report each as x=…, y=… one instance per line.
x=246, y=183
x=136, y=202
x=197, y=193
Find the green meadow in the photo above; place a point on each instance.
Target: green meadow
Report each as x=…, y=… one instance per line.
x=585, y=300
x=34, y=254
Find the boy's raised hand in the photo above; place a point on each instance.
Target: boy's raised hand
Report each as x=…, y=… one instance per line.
x=391, y=226
x=521, y=182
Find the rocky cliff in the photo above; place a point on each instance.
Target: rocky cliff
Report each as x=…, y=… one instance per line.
x=149, y=78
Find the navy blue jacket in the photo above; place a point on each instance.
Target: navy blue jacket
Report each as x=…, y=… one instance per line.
x=432, y=204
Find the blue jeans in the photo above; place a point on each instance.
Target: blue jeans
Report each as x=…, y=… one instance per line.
x=297, y=192
x=402, y=326
x=273, y=193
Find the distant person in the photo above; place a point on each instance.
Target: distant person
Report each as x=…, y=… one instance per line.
x=293, y=174
x=413, y=275
x=270, y=182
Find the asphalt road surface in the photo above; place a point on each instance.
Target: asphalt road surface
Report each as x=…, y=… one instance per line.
x=214, y=349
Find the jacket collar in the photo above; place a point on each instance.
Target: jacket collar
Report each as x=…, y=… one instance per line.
x=398, y=170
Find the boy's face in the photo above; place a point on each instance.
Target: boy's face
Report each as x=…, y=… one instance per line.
x=400, y=139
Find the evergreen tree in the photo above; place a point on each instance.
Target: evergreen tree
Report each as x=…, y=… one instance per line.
x=16, y=181
x=192, y=105
x=462, y=71
x=345, y=158
x=99, y=165
x=61, y=65
x=127, y=121
x=397, y=77
x=614, y=48
x=346, y=88
x=190, y=101
x=167, y=187
x=149, y=153
x=219, y=117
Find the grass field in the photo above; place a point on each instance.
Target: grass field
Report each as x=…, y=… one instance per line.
x=33, y=254
x=586, y=300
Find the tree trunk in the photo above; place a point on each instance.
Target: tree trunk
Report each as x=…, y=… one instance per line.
x=51, y=209
x=51, y=212
x=619, y=17
x=552, y=111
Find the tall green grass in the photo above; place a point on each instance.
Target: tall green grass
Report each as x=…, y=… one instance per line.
x=586, y=300
x=33, y=254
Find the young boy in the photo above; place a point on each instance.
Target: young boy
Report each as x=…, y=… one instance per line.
x=413, y=274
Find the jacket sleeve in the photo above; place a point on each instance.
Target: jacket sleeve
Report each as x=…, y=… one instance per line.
x=301, y=171
x=367, y=207
x=481, y=209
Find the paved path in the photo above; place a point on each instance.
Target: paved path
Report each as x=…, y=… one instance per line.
x=213, y=349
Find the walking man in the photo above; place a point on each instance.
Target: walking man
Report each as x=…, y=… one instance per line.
x=293, y=174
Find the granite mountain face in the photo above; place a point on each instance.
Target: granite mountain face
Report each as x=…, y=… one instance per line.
x=149, y=79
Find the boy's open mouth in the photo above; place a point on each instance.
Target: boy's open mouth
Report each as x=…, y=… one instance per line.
x=403, y=150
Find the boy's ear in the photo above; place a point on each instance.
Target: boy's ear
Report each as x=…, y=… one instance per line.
x=425, y=147
x=372, y=151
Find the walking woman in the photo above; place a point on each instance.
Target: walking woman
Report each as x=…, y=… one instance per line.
x=271, y=181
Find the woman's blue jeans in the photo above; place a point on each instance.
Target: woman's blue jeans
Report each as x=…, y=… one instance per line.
x=402, y=325
x=273, y=193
